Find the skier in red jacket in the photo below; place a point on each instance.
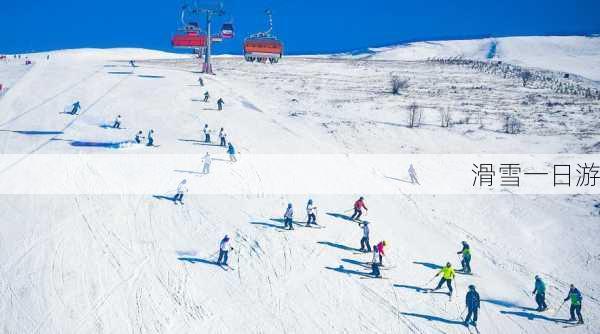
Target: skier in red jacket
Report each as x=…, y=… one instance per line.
x=358, y=206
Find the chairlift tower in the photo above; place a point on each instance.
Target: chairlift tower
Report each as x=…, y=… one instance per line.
x=210, y=11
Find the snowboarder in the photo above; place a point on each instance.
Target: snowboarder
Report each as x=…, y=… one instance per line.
x=413, y=175
x=575, y=297
x=231, y=152
x=201, y=82
x=358, y=206
x=224, y=249
x=220, y=104
x=117, y=123
x=222, y=137
x=447, y=277
x=206, y=134
x=139, y=137
x=374, y=264
x=539, y=291
x=181, y=189
x=472, y=301
x=466, y=257
x=75, y=108
x=380, y=251
x=288, y=216
x=365, y=246
x=206, y=96
x=311, y=213
x=207, y=161
x=150, y=138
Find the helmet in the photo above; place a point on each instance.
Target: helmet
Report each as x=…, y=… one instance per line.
x=448, y=264
x=384, y=243
x=537, y=276
x=289, y=205
x=471, y=287
x=464, y=242
x=361, y=197
x=310, y=201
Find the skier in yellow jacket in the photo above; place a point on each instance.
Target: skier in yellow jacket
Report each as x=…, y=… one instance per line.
x=447, y=277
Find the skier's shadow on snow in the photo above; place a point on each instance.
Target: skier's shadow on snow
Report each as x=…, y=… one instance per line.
x=343, y=270
x=146, y=76
x=339, y=215
x=268, y=225
x=428, y=265
x=412, y=287
x=433, y=318
x=188, y=172
x=35, y=132
x=396, y=179
x=197, y=260
x=534, y=316
x=340, y=246
x=507, y=304
x=161, y=197
x=358, y=263
x=119, y=72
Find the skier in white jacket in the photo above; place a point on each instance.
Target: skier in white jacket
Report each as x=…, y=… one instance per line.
x=181, y=189
x=207, y=160
x=224, y=249
x=288, y=216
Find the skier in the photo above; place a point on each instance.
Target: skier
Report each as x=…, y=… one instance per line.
x=311, y=213
x=375, y=266
x=75, y=108
x=575, y=297
x=472, y=301
x=224, y=249
x=220, y=104
x=364, y=242
x=539, y=291
x=207, y=161
x=413, y=175
x=231, y=152
x=201, y=82
x=132, y=63
x=117, y=123
x=181, y=189
x=447, y=277
x=358, y=206
x=206, y=96
x=222, y=137
x=288, y=216
x=150, y=138
x=380, y=251
x=139, y=137
x=206, y=134
x=466, y=257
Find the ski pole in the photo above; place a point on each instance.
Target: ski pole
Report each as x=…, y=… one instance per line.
x=431, y=280
x=561, y=305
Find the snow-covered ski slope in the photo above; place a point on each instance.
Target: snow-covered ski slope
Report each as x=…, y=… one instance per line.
x=130, y=263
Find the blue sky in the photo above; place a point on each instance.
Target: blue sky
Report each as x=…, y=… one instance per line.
x=307, y=26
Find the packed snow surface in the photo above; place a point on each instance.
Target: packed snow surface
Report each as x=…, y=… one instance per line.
x=83, y=263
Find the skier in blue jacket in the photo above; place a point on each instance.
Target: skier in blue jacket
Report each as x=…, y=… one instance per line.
x=231, y=152
x=539, y=291
x=472, y=301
